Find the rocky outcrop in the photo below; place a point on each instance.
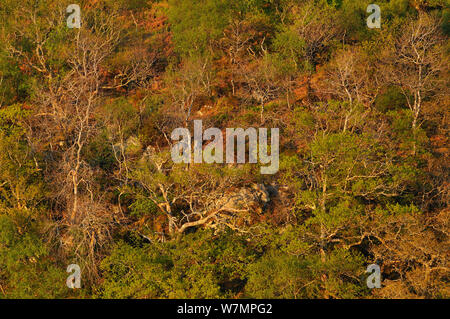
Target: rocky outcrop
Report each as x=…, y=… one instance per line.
x=255, y=197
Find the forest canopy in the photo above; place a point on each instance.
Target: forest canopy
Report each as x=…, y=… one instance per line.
x=86, y=175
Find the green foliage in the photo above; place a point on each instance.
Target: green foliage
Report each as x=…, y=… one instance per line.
x=198, y=266
x=446, y=21
x=87, y=114
x=99, y=153
x=20, y=180
x=391, y=99
x=285, y=276
x=289, y=49
x=196, y=23
x=27, y=269
x=143, y=206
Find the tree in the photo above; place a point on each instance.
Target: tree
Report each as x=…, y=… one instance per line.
x=416, y=61
x=67, y=102
x=411, y=247
x=315, y=25
x=186, y=198
x=351, y=78
x=193, y=79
